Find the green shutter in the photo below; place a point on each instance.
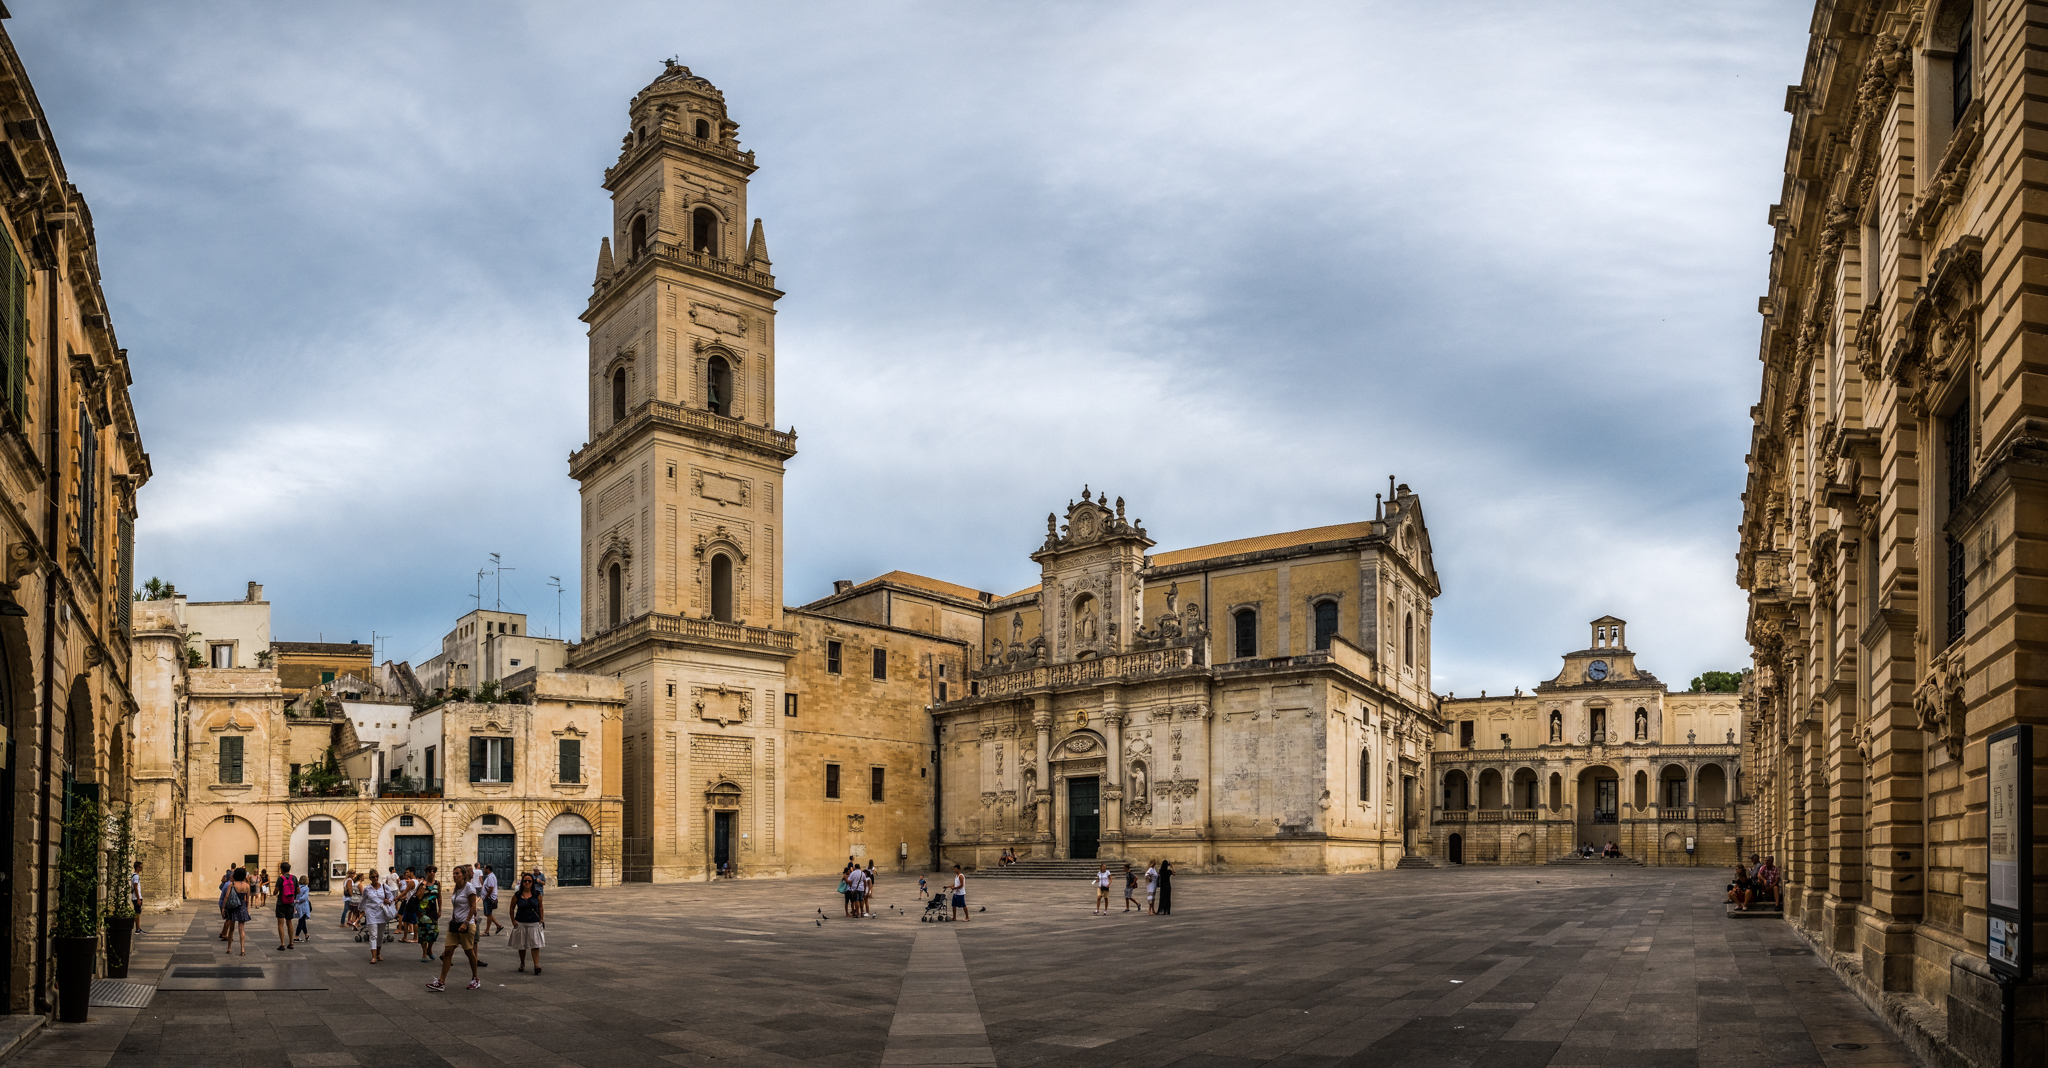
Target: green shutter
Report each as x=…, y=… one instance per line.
x=231, y=759
x=572, y=761
x=505, y=760
x=476, y=760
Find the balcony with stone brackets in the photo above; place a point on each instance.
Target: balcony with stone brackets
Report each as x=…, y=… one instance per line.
x=664, y=415
x=681, y=630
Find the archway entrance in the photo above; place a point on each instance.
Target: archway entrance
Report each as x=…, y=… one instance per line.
x=1457, y=849
x=1084, y=817
x=722, y=811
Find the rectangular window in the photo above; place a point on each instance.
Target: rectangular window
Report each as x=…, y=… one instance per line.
x=832, y=658
x=231, y=759
x=1247, y=633
x=221, y=655
x=327, y=676
x=490, y=760
x=490, y=821
x=974, y=688
x=942, y=693
x=405, y=820
x=88, y=482
x=14, y=331
x=789, y=704
x=124, y=566
x=831, y=782
x=571, y=760
x=1960, y=68
x=188, y=856
x=515, y=663
x=942, y=669
x=319, y=826
x=1464, y=734
x=875, y=785
x=882, y=664
x=1956, y=447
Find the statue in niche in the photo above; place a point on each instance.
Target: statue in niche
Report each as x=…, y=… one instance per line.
x=1642, y=725
x=1017, y=628
x=1140, y=796
x=1084, y=627
x=995, y=653
x=1557, y=726
x=1173, y=599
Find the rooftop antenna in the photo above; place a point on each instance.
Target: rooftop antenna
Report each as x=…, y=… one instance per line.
x=556, y=582
x=478, y=596
x=497, y=569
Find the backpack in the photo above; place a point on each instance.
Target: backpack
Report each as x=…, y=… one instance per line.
x=232, y=898
x=287, y=888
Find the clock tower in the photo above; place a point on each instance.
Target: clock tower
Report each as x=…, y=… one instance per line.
x=681, y=485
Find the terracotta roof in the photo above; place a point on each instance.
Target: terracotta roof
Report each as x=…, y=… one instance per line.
x=1339, y=532
x=905, y=578
x=1034, y=588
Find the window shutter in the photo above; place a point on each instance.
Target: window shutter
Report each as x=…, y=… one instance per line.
x=476, y=760
x=14, y=331
x=572, y=761
x=505, y=760
x=126, y=570
x=231, y=760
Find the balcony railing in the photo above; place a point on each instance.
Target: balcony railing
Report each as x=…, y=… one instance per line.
x=410, y=788
x=1713, y=815
x=677, y=417
x=1457, y=816
x=1524, y=815
x=1080, y=672
x=1490, y=815
x=680, y=628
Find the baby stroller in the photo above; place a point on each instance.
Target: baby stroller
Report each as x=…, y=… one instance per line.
x=935, y=911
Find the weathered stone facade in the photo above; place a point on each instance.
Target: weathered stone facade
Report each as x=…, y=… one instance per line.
x=1600, y=754
x=1251, y=706
x=71, y=461
x=1895, y=503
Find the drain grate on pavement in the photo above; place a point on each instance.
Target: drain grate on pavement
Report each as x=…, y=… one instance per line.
x=115, y=994
x=223, y=971
x=279, y=975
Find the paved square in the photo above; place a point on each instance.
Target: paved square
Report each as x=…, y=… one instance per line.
x=1496, y=968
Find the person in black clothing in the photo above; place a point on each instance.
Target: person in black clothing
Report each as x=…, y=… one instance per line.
x=528, y=914
x=1166, y=888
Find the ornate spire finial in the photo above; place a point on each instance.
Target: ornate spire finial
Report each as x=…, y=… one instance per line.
x=1119, y=507
x=1377, y=501
x=1084, y=491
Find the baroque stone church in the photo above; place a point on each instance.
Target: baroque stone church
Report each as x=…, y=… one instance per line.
x=1256, y=704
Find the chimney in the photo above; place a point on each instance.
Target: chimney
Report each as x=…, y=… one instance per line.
x=255, y=592
x=841, y=585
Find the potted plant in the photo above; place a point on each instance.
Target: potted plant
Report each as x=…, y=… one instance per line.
x=77, y=927
x=122, y=853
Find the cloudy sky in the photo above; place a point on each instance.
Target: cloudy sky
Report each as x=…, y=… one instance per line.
x=1236, y=263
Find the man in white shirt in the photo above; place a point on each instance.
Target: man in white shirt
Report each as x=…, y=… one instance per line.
x=135, y=894
x=960, y=893
x=489, y=883
x=468, y=906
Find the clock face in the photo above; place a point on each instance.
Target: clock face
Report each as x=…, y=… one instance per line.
x=1596, y=670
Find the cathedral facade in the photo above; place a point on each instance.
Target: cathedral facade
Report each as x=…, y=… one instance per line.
x=1254, y=705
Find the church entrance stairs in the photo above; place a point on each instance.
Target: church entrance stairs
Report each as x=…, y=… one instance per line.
x=1623, y=861
x=1078, y=870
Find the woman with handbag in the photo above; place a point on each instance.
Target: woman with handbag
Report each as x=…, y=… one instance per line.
x=528, y=917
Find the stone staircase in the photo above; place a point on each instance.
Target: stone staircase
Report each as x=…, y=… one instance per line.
x=1573, y=859
x=1079, y=871
x=1413, y=861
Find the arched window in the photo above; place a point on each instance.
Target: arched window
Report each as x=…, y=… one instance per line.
x=704, y=231
x=1408, y=639
x=614, y=590
x=721, y=587
x=1247, y=625
x=619, y=395
x=703, y=129
x=1960, y=66
x=718, y=386
x=1365, y=775
x=1326, y=624
x=638, y=239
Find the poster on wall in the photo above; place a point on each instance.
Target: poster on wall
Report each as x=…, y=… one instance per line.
x=2009, y=832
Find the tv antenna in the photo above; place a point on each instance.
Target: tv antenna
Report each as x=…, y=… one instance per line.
x=498, y=569
x=556, y=582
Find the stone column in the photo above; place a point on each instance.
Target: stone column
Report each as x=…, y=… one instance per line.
x=1112, y=794
x=1041, y=722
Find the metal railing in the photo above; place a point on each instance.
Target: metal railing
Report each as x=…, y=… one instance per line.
x=410, y=788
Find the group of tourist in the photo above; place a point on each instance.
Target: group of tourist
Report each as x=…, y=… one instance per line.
x=1611, y=849
x=394, y=907
x=1760, y=881
x=856, y=886
x=1158, y=889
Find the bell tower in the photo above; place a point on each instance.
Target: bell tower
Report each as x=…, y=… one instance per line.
x=681, y=485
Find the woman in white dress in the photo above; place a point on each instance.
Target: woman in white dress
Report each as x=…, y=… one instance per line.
x=378, y=910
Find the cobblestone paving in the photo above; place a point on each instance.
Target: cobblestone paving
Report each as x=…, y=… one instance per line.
x=1494, y=968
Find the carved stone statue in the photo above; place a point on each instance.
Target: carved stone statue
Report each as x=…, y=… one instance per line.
x=1642, y=725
